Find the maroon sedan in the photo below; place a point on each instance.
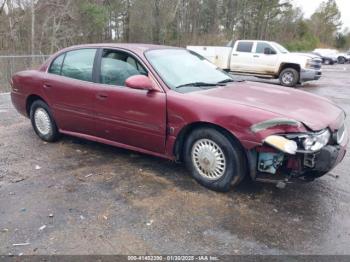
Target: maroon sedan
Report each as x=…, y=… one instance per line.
x=172, y=103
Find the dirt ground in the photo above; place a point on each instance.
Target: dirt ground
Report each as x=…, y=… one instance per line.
x=80, y=197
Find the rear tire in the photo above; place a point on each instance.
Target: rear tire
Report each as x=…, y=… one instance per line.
x=214, y=160
x=289, y=77
x=43, y=122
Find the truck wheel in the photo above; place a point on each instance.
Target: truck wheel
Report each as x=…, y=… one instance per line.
x=327, y=62
x=289, y=77
x=42, y=121
x=214, y=160
x=341, y=60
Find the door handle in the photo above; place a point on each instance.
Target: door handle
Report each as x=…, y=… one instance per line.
x=102, y=96
x=256, y=56
x=47, y=85
x=234, y=54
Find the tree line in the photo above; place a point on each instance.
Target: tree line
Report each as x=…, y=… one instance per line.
x=45, y=26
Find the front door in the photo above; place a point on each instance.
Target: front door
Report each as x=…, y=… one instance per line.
x=124, y=115
x=265, y=62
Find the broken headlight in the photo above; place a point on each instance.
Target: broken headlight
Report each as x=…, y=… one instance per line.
x=292, y=143
x=314, y=142
x=340, y=134
x=283, y=144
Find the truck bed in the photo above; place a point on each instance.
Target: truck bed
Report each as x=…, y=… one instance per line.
x=218, y=55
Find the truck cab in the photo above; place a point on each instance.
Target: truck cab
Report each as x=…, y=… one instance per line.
x=263, y=59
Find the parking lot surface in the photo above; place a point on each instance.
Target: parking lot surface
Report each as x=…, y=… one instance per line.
x=81, y=197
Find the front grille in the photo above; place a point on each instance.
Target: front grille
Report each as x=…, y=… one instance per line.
x=316, y=63
x=316, y=66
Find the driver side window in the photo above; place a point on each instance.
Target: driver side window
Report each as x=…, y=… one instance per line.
x=260, y=48
x=118, y=66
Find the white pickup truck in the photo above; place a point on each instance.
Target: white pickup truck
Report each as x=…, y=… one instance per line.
x=263, y=59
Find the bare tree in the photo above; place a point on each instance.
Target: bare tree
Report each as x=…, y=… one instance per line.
x=32, y=4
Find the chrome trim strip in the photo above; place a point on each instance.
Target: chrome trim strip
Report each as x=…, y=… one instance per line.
x=273, y=122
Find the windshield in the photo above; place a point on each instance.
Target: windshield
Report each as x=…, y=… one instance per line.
x=280, y=48
x=185, y=71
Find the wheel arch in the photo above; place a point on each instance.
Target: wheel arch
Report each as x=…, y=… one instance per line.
x=30, y=100
x=188, y=129
x=289, y=65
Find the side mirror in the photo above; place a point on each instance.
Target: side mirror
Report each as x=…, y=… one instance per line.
x=139, y=82
x=269, y=51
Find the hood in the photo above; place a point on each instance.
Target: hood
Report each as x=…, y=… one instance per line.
x=347, y=56
x=313, y=111
x=300, y=58
x=308, y=55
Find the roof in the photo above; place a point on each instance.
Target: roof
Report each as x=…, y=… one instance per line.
x=134, y=47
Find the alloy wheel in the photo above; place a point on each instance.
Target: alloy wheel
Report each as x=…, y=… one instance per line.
x=288, y=78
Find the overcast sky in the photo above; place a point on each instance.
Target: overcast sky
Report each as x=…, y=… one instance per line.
x=309, y=7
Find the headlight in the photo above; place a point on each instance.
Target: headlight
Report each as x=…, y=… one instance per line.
x=283, y=144
x=308, y=63
x=292, y=143
x=341, y=133
x=315, y=142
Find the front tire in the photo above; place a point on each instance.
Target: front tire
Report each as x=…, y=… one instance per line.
x=341, y=60
x=214, y=160
x=289, y=77
x=327, y=62
x=43, y=122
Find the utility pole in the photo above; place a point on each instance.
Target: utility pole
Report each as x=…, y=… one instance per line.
x=33, y=30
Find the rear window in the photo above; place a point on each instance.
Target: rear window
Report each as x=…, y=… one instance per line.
x=245, y=47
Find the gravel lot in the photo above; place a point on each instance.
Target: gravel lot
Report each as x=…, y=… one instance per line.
x=80, y=197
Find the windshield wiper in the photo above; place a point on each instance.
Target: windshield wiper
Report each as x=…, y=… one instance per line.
x=228, y=80
x=199, y=84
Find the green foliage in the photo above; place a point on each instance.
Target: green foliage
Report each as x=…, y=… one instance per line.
x=307, y=43
x=326, y=21
x=94, y=15
x=304, y=40
x=60, y=23
x=342, y=40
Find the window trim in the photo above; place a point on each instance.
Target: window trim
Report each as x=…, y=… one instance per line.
x=244, y=42
x=64, y=59
x=53, y=60
x=65, y=54
x=99, y=62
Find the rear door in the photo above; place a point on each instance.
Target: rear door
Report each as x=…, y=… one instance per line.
x=242, y=57
x=124, y=115
x=69, y=88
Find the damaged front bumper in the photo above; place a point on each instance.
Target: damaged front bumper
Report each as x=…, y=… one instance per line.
x=271, y=164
